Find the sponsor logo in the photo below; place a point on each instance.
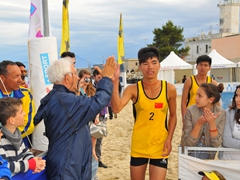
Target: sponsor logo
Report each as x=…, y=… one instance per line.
x=45, y=63
x=163, y=161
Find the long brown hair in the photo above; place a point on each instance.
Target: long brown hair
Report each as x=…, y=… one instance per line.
x=90, y=90
x=233, y=106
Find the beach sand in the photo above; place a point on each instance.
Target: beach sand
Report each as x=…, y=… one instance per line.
x=116, y=147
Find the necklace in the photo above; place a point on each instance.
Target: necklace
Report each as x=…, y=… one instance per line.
x=150, y=84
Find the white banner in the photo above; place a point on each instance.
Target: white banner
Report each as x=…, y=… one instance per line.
x=190, y=166
x=42, y=52
x=36, y=20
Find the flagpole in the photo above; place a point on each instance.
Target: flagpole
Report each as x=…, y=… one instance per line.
x=121, y=52
x=45, y=18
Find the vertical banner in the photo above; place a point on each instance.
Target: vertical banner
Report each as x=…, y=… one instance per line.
x=36, y=20
x=120, y=42
x=41, y=52
x=120, y=48
x=65, y=45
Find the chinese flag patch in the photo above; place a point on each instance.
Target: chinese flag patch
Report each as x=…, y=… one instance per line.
x=158, y=105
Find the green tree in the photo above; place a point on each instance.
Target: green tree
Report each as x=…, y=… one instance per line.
x=169, y=38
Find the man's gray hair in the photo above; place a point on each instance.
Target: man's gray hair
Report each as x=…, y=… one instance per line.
x=58, y=69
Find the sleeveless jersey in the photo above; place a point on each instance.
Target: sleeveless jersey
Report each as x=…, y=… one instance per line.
x=193, y=90
x=150, y=128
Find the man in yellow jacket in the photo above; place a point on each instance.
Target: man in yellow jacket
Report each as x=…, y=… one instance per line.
x=10, y=81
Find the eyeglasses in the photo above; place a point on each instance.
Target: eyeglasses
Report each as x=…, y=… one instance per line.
x=0, y=126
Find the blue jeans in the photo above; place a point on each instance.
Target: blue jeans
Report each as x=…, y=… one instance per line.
x=94, y=167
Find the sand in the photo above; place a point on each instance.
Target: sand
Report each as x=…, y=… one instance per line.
x=116, y=147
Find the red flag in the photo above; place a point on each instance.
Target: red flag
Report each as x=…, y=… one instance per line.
x=158, y=105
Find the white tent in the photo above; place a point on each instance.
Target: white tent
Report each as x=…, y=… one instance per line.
x=169, y=64
x=172, y=61
x=219, y=61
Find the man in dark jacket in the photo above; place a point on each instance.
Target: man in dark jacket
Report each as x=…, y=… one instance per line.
x=66, y=117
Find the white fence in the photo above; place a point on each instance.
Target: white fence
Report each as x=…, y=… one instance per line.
x=188, y=167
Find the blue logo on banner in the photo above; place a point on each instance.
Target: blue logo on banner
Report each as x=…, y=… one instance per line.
x=45, y=63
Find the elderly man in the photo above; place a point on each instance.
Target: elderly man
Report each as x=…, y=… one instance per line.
x=66, y=117
x=10, y=81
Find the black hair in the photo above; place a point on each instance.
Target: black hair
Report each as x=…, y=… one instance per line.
x=147, y=52
x=67, y=54
x=204, y=58
x=95, y=73
x=3, y=66
x=9, y=108
x=211, y=90
x=20, y=64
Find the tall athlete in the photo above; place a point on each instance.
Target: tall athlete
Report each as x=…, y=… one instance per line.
x=152, y=132
x=192, y=83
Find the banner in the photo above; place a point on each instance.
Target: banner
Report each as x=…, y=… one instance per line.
x=36, y=20
x=120, y=43
x=65, y=45
x=41, y=53
x=188, y=167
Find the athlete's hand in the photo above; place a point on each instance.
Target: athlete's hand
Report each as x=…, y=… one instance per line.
x=167, y=147
x=116, y=75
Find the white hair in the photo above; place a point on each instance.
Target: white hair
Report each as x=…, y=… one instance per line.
x=58, y=69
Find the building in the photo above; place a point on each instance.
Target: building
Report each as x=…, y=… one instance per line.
x=228, y=27
x=131, y=64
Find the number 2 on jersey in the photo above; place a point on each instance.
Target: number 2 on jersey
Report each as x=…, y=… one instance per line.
x=151, y=116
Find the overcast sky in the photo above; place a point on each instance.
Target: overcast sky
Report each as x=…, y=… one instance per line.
x=94, y=25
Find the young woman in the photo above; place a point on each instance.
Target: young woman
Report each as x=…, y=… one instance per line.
x=204, y=122
x=87, y=89
x=231, y=134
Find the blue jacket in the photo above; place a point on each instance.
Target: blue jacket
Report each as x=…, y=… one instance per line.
x=66, y=118
x=4, y=171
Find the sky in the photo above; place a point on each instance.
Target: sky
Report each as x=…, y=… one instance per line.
x=94, y=25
